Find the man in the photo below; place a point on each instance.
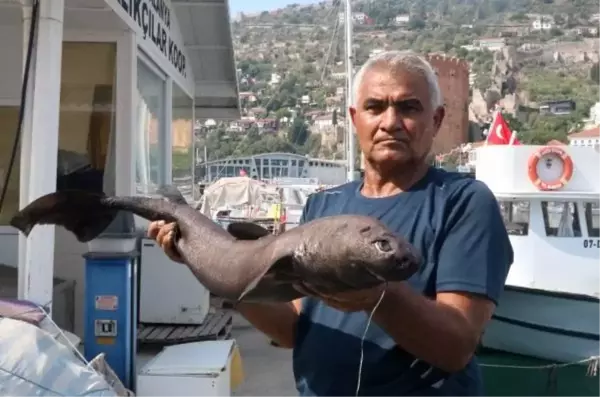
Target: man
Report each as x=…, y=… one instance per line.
x=425, y=330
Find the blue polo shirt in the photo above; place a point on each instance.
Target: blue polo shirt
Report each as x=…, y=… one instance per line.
x=455, y=222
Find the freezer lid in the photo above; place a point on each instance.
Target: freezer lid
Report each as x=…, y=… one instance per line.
x=196, y=358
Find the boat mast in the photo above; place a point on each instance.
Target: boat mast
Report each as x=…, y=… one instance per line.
x=350, y=155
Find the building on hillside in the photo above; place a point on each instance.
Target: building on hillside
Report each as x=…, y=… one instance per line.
x=268, y=166
x=594, y=118
x=401, y=19
x=453, y=77
x=325, y=121
x=545, y=22
x=491, y=43
x=587, y=137
x=357, y=17
x=558, y=107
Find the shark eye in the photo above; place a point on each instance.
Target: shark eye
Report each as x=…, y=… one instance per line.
x=383, y=245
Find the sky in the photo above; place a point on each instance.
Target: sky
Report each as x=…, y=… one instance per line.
x=236, y=6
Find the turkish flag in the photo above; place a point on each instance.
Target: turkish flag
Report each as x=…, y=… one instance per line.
x=500, y=133
x=243, y=172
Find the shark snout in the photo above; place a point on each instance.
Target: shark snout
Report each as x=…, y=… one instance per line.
x=406, y=262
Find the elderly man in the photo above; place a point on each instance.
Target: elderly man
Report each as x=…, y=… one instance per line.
x=425, y=330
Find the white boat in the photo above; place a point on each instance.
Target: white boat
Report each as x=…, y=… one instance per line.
x=549, y=198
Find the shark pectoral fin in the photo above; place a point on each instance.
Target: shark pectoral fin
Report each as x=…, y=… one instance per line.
x=247, y=230
x=285, y=265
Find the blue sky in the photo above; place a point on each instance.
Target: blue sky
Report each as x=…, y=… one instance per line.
x=262, y=5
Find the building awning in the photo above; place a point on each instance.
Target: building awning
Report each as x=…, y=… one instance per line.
x=206, y=30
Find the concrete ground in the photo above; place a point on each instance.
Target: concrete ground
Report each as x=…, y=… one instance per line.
x=267, y=369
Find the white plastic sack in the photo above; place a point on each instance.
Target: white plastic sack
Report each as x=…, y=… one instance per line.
x=33, y=363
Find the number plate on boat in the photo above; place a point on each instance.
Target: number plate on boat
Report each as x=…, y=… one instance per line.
x=591, y=243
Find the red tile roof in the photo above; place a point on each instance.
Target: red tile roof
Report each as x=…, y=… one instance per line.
x=591, y=132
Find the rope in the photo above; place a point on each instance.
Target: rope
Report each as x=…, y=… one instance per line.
x=362, y=340
x=592, y=361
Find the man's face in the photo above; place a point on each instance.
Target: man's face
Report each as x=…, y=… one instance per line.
x=394, y=119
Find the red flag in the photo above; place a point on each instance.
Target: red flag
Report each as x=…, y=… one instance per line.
x=500, y=133
x=243, y=172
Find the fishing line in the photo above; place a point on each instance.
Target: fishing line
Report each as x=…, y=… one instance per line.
x=362, y=340
x=13, y=155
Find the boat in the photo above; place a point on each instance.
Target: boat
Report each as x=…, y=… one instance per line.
x=549, y=197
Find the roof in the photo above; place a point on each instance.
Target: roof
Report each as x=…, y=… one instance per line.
x=206, y=31
x=276, y=155
x=556, y=101
x=590, y=132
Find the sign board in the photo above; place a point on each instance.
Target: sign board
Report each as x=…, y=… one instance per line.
x=107, y=302
x=154, y=18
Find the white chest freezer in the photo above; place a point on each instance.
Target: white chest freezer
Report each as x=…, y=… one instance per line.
x=169, y=292
x=189, y=369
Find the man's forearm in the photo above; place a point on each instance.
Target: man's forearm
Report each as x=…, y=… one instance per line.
x=276, y=320
x=432, y=331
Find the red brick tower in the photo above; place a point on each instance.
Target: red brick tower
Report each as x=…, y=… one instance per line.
x=453, y=77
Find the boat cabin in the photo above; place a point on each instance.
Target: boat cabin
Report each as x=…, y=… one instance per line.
x=549, y=197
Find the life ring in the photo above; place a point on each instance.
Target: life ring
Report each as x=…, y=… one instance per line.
x=557, y=183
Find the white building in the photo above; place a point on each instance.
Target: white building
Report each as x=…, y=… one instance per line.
x=357, y=17
x=325, y=121
x=114, y=89
x=542, y=23
x=402, y=19
x=491, y=43
x=275, y=78
x=268, y=166
x=595, y=114
x=587, y=137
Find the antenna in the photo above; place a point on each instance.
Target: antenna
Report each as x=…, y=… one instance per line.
x=349, y=94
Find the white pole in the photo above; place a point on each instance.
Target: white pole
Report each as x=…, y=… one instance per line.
x=36, y=252
x=349, y=93
x=513, y=135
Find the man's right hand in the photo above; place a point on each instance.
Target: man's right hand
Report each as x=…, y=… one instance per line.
x=163, y=234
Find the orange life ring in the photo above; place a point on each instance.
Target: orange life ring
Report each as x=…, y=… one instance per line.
x=559, y=182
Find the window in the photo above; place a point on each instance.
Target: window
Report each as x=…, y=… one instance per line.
x=516, y=216
x=87, y=113
x=9, y=117
x=561, y=219
x=591, y=210
x=150, y=166
x=182, y=141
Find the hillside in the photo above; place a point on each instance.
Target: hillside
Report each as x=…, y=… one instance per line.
x=520, y=52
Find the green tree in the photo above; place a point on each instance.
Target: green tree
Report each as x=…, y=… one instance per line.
x=595, y=73
x=298, y=132
x=416, y=24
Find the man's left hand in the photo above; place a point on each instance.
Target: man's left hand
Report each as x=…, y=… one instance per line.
x=351, y=301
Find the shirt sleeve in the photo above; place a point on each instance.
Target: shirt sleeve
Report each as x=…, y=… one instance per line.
x=306, y=214
x=475, y=253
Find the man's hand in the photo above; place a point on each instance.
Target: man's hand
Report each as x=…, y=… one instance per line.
x=351, y=301
x=163, y=234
